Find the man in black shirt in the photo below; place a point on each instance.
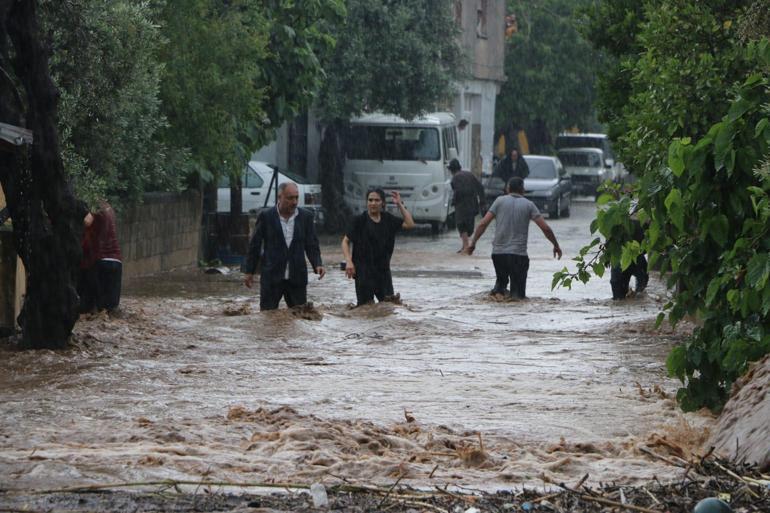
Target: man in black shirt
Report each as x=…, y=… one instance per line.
x=373, y=235
x=468, y=199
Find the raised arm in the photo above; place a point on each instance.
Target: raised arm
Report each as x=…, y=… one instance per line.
x=549, y=235
x=408, y=223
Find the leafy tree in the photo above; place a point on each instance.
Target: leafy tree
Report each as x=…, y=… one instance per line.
x=399, y=57
x=703, y=186
x=104, y=62
x=235, y=71
x=46, y=222
x=551, y=72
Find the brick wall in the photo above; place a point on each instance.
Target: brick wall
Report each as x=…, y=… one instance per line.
x=161, y=234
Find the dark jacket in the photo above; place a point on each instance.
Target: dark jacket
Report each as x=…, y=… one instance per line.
x=268, y=247
x=506, y=171
x=468, y=194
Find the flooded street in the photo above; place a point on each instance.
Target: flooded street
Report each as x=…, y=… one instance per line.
x=450, y=387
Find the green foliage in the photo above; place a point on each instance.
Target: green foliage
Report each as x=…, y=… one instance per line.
x=551, y=71
x=396, y=57
x=235, y=71
x=706, y=201
x=103, y=62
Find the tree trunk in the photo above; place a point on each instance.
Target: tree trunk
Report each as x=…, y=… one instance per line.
x=331, y=160
x=46, y=221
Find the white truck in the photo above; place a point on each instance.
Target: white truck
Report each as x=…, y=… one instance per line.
x=388, y=152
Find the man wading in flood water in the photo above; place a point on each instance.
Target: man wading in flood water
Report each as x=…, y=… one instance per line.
x=282, y=237
x=373, y=235
x=509, y=248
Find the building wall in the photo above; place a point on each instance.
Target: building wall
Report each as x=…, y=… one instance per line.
x=161, y=234
x=483, y=40
x=483, y=36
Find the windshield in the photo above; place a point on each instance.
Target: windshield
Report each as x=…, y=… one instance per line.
x=542, y=169
x=393, y=143
x=580, y=159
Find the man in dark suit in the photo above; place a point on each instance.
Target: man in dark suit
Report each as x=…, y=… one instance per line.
x=282, y=237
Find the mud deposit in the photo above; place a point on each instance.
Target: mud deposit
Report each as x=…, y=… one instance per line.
x=192, y=382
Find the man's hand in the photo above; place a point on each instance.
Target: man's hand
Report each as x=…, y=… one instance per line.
x=350, y=270
x=248, y=280
x=320, y=271
x=557, y=252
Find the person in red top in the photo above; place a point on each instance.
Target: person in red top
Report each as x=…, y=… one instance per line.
x=101, y=269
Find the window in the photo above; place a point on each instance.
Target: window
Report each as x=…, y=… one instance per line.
x=393, y=143
x=580, y=159
x=253, y=180
x=481, y=18
x=541, y=168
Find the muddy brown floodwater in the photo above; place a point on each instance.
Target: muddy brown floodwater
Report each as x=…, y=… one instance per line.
x=192, y=382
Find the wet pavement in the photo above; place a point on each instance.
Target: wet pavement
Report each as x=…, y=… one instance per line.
x=451, y=387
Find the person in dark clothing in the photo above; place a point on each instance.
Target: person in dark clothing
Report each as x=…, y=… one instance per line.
x=282, y=237
x=373, y=236
x=101, y=267
x=468, y=200
x=512, y=165
x=620, y=280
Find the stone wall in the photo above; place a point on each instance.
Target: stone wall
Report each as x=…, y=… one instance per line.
x=161, y=234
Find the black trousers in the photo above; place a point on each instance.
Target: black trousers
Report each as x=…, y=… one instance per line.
x=511, y=268
x=109, y=275
x=270, y=294
x=373, y=284
x=620, y=279
x=99, y=286
x=87, y=289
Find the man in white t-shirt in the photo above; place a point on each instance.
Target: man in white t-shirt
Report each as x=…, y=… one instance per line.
x=513, y=213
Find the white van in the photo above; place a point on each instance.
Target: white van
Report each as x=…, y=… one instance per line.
x=258, y=190
x=388, y=152
x=587, y=167
x=589, y=140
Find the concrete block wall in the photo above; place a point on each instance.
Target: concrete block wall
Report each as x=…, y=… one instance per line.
x=161, y=234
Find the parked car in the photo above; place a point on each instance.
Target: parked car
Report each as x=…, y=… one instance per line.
x=257, y=193
x=587, y=167
x=599, y=141
x=547, y=186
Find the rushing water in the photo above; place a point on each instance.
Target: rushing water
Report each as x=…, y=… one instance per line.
x=193, y=381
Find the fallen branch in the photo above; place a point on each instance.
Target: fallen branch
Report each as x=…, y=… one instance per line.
x=385, y=497
x=608, y=502
x=660, y=456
